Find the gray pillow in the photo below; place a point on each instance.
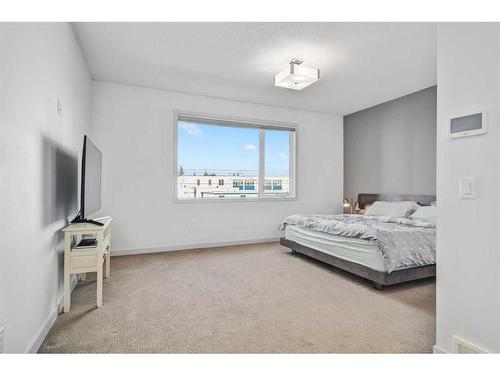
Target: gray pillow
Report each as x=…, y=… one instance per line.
x=426, y=213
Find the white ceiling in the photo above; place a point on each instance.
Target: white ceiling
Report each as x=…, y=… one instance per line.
x=362, y=64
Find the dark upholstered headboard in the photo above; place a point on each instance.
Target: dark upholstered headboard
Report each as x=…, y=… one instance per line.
x=367, y=199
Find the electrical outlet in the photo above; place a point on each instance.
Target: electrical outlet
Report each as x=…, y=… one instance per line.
x=1, y=339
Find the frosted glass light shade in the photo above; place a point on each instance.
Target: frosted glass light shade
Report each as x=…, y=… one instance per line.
x=296, y=77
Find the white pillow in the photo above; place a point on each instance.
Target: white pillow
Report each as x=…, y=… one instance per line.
x=425, y=213
x=393, y=209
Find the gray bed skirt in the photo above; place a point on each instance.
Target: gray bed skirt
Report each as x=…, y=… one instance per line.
x=379, y=278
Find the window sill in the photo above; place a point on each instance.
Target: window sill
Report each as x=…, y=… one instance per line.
x=234, y=200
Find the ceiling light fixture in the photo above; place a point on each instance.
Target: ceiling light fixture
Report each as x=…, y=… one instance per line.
x=296, y=77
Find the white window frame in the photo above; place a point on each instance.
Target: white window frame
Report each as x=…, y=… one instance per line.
x=262, y=125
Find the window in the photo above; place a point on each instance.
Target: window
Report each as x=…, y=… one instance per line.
x=277, y=162
x=248, y=160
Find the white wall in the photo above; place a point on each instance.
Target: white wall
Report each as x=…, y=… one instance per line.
x=468, y=250
x=134, y=130
x=38, y=154
x=391, y=148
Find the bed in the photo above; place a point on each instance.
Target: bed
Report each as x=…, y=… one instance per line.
x=384, y=250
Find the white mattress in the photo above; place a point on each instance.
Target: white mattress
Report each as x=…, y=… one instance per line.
x=354, y=250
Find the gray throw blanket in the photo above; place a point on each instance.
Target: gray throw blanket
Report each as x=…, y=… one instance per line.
x=403, y=242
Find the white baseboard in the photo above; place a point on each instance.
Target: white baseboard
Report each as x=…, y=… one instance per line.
x=44, y=330
x=191, y=246
x=438, y=350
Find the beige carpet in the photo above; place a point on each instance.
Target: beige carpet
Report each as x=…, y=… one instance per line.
x=242, y=299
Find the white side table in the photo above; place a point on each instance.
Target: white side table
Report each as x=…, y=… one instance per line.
x=80, y=261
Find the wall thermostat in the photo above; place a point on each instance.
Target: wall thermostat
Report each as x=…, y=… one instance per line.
x=471, y=124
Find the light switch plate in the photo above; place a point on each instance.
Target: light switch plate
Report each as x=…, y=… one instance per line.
x=468, y=188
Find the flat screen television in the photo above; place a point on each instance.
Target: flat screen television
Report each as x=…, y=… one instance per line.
x=90, y=182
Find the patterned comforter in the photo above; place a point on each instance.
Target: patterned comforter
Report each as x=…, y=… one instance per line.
x=402, y=242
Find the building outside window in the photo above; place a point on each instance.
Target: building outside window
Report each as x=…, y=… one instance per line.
x=249, y=185
x=277, y=185
x=238, y=184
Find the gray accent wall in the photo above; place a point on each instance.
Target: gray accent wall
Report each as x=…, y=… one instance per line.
x=391, y=148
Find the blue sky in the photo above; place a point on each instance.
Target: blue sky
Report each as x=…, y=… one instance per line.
x=211, y=147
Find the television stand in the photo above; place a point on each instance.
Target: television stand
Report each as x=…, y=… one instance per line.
x=80, y=260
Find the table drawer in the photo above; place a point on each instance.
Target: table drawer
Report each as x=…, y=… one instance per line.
x=83, y=261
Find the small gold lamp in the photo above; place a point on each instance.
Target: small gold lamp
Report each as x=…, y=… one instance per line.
x=347, y=206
